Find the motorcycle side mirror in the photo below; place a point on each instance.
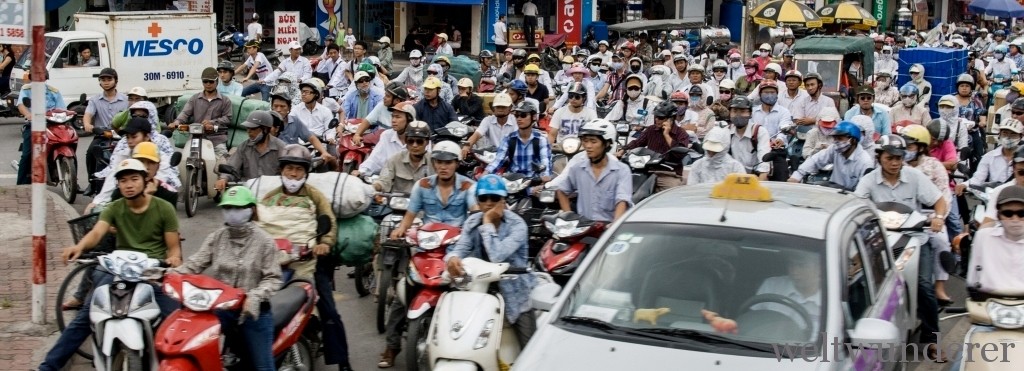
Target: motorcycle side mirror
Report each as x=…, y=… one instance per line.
x=333, y=124
x=228, y=169
x=27, y=102
x=710, y=100
x=506, y=76
x=175, y=159
x=539, y=167
x=323, y=225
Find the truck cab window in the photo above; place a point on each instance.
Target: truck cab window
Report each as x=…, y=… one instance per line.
x=80, y=54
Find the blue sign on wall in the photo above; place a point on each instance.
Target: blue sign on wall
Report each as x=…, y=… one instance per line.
x=495, y=8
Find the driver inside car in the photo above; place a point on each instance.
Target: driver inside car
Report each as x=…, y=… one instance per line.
x=801, y=284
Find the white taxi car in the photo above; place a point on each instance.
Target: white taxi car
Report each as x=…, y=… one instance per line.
x=740, y=275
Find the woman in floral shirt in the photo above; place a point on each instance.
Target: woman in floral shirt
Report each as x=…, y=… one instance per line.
x=918, y=138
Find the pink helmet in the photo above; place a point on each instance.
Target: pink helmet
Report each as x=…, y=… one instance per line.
x=578, y=68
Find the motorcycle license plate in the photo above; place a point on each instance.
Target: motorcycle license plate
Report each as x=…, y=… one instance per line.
x=390, y=255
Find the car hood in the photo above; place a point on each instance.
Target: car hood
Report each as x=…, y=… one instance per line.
x=553, y=348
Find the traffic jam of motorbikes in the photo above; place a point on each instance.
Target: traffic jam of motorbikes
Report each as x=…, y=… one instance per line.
x=657, y=193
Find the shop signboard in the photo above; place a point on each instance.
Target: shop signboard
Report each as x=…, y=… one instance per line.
x=878, y=9
x=230, y=9
x=328, y=14
x=516, y=36
x=495, y=8
x=570, y=20
x=248, y=9
x=14, y=22
x=286, y=30
x=202, y=6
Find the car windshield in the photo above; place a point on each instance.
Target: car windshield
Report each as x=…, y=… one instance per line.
x=26, y=57
x=723, y=287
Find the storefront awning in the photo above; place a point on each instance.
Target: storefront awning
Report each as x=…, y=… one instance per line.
x=444, y=2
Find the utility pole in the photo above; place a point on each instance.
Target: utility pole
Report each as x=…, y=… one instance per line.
x=38, y=70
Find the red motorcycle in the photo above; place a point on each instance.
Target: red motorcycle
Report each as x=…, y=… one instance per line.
x=350, y=154
x=190, y=338
x=573, y=235
x=61, y=146
x=425, y=283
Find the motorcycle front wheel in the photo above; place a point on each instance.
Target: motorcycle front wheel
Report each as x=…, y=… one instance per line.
x=125, y=359
x=192, y=193
x=416, y=343
x=67, y=178
x=385, y=293
x=67, y=288
x=366, y=278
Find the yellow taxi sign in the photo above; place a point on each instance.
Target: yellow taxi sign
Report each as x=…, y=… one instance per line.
x=745, y=187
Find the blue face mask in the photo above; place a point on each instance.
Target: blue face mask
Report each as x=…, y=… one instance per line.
x=769, y=98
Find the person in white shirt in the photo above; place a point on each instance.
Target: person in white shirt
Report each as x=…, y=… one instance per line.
x=330, y=60
x=577, y=73
x=529, y=22
x=769, y=113
x=391, y=141
x=296, y=63
x=350, y=38
x=634, y=106
x=258, y=65
x=750, y=142
x=1001, y=65
x=495, y=128
x=603, y=53
x=793, y=92
x=255, y=29
x=442, y=45
x=567, y=120
x=313, y=114
x=500, y=35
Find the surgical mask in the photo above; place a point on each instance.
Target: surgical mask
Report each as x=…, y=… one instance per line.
x=292, y=186
x=825, y=132
x=734, y=64
x=947, y=114
x=633, y=94
x=616, y=65
x=236, y=217
x=741, y=121
x=717, y=159
x=769, y=98
x=364, y=90
x=595, y=68
x=883, y=85
x=999, y=56
x=1009, y=143
x=885, y=56
x=909, y=102
x=259, y=138
x=909, y=155
x=698, y=102
x=724, y=96
x=842, y=146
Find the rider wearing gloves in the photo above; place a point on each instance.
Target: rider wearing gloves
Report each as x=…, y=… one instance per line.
x=403, y=169
x=244, y=255
x=908, y=109
x=527, y=151
x=849, y=159
x=606, y=195
x=500, y=236
x=634, y=108
x=257, y=156
x=716, y=163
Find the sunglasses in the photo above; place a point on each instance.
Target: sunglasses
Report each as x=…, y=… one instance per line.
x=209, y=81
x=533, y=60
x=724, y=92
x=1019, y=172
x=431, y=73
x=575, y=96
x=633, y=88
x=488, y=198
x=866, y=97
x=765, y=50
x=363, y=81
x=908, y=96
x=523, y=115
x=1017, y=113
x=1019, y=213
x=717, y=70
x=416, y=142
x=663, y=117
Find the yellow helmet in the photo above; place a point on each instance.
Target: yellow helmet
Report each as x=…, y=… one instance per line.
x=146, y=150
x=916, y=134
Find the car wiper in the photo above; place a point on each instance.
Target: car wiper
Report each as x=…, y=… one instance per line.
x=610, y=328
x=704, y=336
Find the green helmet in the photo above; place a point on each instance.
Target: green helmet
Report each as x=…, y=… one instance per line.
x=238, y=196
x=368, y=68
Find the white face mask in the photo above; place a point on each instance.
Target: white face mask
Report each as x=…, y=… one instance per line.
x=633, y=94
x=883, y=85
x=292, y=186
x=595, y=68
x=909, y=102
x=842, y=146
x=566, y=66
x=734, y=64
x=947, y=113
x=236, y=217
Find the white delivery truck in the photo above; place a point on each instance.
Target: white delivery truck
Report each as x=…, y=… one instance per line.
x=163, y=52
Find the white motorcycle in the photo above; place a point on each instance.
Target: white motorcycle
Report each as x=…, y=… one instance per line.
x=123, y=314
x=468, y=330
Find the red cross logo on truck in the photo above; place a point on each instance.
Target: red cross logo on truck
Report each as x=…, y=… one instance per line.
x=154, y=29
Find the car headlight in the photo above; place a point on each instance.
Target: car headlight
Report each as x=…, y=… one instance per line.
x=430, y=240
x=562, y=228
x=195, y=128
x=399, y=203
x=1006, y=316
x=638, y=162
x=198, y=299
x=485, y=335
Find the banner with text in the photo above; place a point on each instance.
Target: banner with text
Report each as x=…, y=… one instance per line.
x=286, y=30
x=14, y=22
x=230, y=10
x=570, y=21
x=248, y=9
x=495, y=8
x=328, y=16
x=878, y=9
x=202, y=6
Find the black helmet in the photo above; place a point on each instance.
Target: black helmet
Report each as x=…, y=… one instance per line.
x=486, y=54
x=741, y=102
x=417, y=129
x=226, y=66
x=519, y=53
x=396, y=89
x=665, y=109
x=108, y=72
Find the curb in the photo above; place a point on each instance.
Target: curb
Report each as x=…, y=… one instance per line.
x=59, y=202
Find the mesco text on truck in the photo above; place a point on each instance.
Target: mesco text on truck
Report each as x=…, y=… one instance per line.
x=163, y=52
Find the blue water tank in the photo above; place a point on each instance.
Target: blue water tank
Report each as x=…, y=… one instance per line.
x=600, y=30
x=731, y=16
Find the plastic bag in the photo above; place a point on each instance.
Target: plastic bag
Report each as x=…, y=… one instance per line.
x=463, y=66
x=348, y=195
x=240, y=110
x=355, y=240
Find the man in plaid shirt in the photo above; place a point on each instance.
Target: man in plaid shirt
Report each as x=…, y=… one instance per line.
x=531, y=154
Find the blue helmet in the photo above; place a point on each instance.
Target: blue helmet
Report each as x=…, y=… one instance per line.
x=518, y=86
x=909, y=89
x=847, y=128
x=491, y=184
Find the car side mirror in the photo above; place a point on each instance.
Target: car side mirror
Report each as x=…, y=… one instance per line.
x=175, y=159
x=543, y=296
x=323, y=225
x=27, y=102
x=873, y=332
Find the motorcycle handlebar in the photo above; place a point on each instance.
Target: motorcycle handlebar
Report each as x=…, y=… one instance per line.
x=518, y=270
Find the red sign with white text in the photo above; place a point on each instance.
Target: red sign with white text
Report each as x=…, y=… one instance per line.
x=570, y=20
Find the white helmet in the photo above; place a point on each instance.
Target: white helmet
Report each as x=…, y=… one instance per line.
x=1013, y=125
x=415, y=53
x=719, y=63
x=601, y=128
x=446, y=151
x=695, y=67
x=727, y=84
x=774, y=67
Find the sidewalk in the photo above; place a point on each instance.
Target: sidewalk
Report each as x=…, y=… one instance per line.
x=23, y=344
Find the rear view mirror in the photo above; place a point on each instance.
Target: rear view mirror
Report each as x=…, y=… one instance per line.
x=175, y=159
x=333, y=124
x=710, y=100
x=323, y=225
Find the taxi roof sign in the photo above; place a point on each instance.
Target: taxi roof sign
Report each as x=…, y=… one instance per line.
x=745, y=187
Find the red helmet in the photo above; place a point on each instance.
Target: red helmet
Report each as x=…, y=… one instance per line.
x=679, y=96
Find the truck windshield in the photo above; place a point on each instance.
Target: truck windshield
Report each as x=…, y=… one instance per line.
x=26, y=57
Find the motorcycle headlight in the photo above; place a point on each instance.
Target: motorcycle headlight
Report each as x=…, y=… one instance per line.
x=1006, y=316
x=195, y=128
x=901, y=261
x=514, y=186
x=132, y=272
x=198, y=299
x=459, y=131
x=486, y=156
x=562, y=228
x=638, y=162
x=622, y=128
x=398, y=203
x=485, y=335
x=570, y=145
x=547, y=196
x=430, y=240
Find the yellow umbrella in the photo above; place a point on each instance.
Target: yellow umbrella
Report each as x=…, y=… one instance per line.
x=847, y=13
x=781, y=13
